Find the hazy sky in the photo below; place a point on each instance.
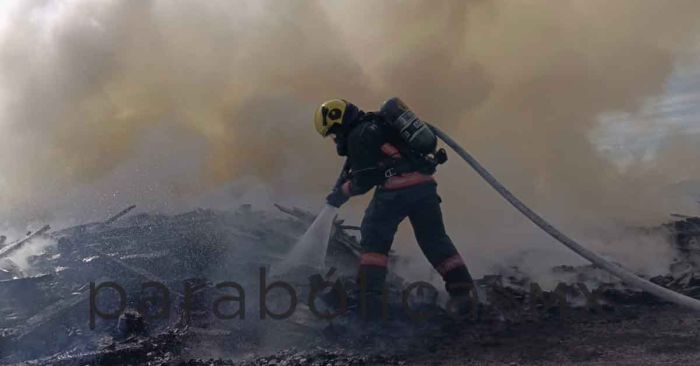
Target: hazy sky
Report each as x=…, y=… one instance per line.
x=676, y=111
x=586, y=109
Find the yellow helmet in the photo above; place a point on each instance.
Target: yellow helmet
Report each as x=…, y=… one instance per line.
x=331, y=113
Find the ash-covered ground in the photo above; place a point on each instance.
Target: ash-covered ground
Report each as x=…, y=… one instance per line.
x=189, y=262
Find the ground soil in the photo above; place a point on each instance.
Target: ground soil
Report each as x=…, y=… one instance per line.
x=657, y=336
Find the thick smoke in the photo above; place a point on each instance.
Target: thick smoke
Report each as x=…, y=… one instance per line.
x=166, y=103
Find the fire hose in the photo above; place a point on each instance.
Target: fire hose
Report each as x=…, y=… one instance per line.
x=625, y=275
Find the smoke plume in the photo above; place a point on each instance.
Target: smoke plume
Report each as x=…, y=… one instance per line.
x=166, y=103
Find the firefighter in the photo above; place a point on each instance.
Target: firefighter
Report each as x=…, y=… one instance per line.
x=405, y=187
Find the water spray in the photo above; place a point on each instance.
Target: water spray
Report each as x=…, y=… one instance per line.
x=310, y=250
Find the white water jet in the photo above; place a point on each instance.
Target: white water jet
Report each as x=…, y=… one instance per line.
x=310, y=250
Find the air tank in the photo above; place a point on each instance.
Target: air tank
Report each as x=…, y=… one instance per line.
x=412, y=130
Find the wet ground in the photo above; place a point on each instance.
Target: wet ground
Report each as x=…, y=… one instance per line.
x=653, y=336
x=588, y=319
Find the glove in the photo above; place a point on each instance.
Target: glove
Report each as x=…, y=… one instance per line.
x=337, y=198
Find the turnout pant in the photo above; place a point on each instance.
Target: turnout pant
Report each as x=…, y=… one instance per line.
x=421, y=204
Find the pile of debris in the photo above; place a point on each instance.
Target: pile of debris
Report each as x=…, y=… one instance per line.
x=48, y=315
x=50, y=312
x=157, y=351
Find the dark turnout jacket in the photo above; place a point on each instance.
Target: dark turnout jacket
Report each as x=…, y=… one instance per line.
x=378, y=157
